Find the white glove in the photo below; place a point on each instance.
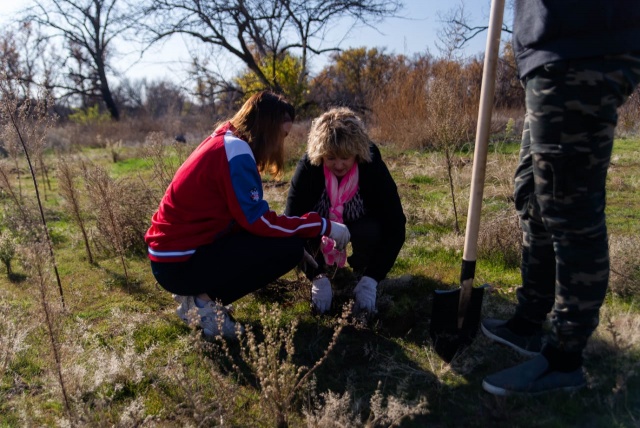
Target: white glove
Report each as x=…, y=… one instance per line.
x=365, y=293
x=340, y=234
x=321, y=294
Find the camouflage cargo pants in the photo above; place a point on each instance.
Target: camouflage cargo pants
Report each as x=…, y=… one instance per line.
x=560, y=191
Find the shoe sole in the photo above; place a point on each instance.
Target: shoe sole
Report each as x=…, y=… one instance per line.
x=495, y=390
x=513, y=346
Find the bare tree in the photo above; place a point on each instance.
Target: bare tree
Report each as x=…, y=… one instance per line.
x=310, y=20
x=212, y=89
x=254, y=29
x=452, y=115
x=21, y=50
x=458, y=29
x=88, y=29
x=164, y=98
x=354, y=77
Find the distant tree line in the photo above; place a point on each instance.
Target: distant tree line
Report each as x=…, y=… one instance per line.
x=67, y=47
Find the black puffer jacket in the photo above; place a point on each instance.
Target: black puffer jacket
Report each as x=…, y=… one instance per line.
x=551, y=30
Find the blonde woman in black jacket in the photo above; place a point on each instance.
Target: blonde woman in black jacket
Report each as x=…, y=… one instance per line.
x=342, y=176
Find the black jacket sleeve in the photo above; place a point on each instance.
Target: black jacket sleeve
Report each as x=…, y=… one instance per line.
x=382, y=202
x=305, y=189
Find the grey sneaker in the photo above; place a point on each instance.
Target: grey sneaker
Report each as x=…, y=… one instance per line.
x=533, y=377
x=497, y=330
x=215, y=320
x=186, y=303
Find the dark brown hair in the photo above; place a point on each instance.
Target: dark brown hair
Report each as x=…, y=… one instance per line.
x=259, y=122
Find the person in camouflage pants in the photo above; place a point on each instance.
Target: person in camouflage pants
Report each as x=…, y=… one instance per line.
x=560, y=192
x=578, y=61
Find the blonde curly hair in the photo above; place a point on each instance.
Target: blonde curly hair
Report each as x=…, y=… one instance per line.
x=338, y=132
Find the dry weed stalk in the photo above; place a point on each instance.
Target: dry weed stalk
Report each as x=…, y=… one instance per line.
x=13, y=150
x=208, y=400
x=623, y=328
x=7, y=186
x=36, y=262
x=104, y=193
x=625, y=268
x=390, y=411
x=44, y=173
x=67, y=188
x=97, y=373
x=21, y=215
x=26, y=124
x=280, y=379
x=164, y=163
x=14, y=329
x=501, y=237
x=331, y=410
x=629, y=113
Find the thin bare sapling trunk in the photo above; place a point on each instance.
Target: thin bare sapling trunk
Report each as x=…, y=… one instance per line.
x=70, y=194
x=448, y=153
x=19, y=115
x=36, y=262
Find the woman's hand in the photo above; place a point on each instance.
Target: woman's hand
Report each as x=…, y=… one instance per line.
x=321, y=294
x=365, y=293
x=340, y=234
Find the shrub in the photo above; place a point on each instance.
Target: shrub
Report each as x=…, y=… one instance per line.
x=625, y=268
x=89, y=116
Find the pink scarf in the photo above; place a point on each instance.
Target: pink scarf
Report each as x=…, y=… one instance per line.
x=339, y=194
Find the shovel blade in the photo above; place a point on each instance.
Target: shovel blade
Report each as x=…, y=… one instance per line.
x=447, y=338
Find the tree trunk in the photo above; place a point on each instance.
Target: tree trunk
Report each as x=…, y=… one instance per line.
x=105, y=91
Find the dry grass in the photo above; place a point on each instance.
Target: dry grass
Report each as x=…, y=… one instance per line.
x=625, y=265
x=501, y=238
x=628, y=123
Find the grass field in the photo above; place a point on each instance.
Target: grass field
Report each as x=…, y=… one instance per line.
x=115, y=354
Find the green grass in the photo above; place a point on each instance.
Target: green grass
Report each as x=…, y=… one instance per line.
x=127, y=358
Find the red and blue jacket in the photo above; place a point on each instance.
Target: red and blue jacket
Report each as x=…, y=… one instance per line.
x=218, y=191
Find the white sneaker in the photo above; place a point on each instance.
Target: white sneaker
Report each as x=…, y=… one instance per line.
x=215, y=320
x=186, y=303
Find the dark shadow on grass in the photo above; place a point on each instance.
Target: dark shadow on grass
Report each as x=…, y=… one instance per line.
x=17, y=278
x=393, y=352
x=374, y=353
x=404, y=304
x=118, y=279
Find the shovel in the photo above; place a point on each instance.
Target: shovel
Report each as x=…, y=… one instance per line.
x=455, y=317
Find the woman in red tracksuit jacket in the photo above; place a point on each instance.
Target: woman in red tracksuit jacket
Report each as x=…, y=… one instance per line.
x=213, y=238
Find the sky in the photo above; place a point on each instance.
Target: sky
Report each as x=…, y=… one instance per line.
x=415, y=31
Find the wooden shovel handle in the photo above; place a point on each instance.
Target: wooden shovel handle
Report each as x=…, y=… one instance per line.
x=483, y=127
x=487, y=91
